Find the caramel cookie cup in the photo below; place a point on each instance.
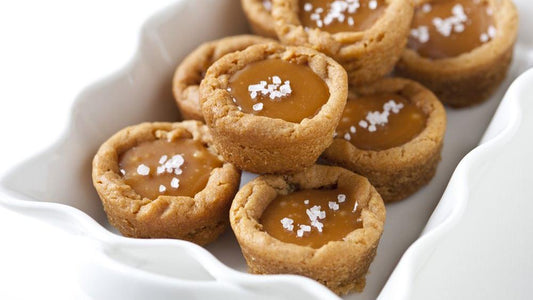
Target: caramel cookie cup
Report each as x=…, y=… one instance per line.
x=367, y=52
x=258, y=13
x=340, y=264
x=399, y=171
x=192, y=69
x=262, y=144
x=122, y=174
x=469, y=77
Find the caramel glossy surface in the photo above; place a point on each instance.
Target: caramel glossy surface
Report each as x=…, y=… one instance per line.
x=444, y=29
x=340, y=16
x=182, y=167
x=375, y=123
x=339, y=219
x=279, y=89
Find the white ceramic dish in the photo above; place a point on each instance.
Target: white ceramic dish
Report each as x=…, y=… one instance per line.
x=61, y=192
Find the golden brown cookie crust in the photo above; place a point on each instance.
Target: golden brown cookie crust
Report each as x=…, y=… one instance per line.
x=191, y=70
x=265, y=145
x=367, y=55
x=472, y=77
x=200, y=219
x=340, y=265
x=400, y=171
x=259, y=18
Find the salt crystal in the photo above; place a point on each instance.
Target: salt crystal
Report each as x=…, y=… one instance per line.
x=175, y=183
x=257, y=106
x=341, y=198
x=347, y=136
x=333, y=205
x=287, y=223
x=143, y=170
x=162, y=188
x=355, y=206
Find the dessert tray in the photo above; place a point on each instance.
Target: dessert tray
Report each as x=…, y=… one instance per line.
x=476, y=241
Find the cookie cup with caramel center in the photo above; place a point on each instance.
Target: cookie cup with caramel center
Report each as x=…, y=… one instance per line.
x=262, y=144
x=258, y=14
x=199, y=219
x=366, y=55
x=399, y=171
x=471, y=77
x=191, y=70
x=341, y=265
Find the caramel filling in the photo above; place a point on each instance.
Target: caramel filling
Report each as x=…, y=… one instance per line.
x=178, y=168
x=278, y=89
x=340, y=15
x=380, y=122
x=449, y=28
x=312, y=217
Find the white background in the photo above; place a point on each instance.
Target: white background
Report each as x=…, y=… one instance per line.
x=49, y=51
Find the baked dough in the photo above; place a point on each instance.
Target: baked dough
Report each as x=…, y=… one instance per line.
x=340, y=265
x=199, y=219
x=192, y=69
x=399, y=171
x=472, y=77
x=266, y=145
x=258, y=13
x=366, y=55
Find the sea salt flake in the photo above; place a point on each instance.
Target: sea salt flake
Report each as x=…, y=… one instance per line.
x=162, y=188
x=258, y=106
x=353, y=129
x=355, y=206
x=363, y=124
x=287, y=223
x=421, y=34
x=351, y=22
x=143, y=170
x=373, y=4
x=333, y=205
x=308, y=7
x=274, y=90
x=426, y=8
x=123, y=171
x=341, y=198
x=484, y=37
x=175, y=183
x=303, y=228
x=315, y=213
x=318, y=225
x=347, y=136
x=454, y=23
x=306, y=202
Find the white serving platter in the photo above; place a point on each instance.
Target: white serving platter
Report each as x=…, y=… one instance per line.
x=62, y=193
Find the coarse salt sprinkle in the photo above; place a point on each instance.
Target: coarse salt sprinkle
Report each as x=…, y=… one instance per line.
x=455, y=23
x=338, y=11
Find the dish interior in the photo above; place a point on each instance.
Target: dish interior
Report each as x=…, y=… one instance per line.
x=141, y=92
